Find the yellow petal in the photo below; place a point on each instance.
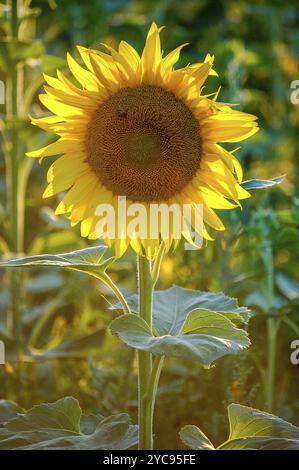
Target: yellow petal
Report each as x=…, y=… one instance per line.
x=225, y=129
x=86, y=226
x=84, y=77
x=105, y=75
x=56, y=148
x=60, y=109
x=71, y=99
x=152, y=55
x=168, y=62
x=77, y=193
x=227, y=157
x=200, y=75
x=121, y=246
x=47, y=123
x=130, y=54
x=67, y=166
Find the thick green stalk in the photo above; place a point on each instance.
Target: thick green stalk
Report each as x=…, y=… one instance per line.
x=149, y=370
x=145, y=420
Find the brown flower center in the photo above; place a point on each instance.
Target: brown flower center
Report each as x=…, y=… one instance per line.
x=144, y=143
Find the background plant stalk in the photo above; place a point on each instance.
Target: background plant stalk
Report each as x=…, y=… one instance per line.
x=272, y=327
x=14, y=201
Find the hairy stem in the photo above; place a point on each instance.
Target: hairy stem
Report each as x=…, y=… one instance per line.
x=144, y=358
x=149, y=370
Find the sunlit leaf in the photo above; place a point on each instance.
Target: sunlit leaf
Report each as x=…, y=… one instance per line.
x=171, y=306
x=245, y=422
x=262, y=443
x=89, y=260
x=204, y=337
x=249, y=429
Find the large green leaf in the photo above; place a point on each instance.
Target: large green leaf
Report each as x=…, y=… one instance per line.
x=89, y=260
x=60, y=426
x=262, y=443
x=249, y=429
x=247, y=422
x=205, y=336
x=189, y=324
x=171, y=306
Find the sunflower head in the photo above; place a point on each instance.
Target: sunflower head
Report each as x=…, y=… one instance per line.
x=134, y=126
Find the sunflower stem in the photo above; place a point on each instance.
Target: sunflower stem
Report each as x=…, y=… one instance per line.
x=149, y=370
x=145, y=405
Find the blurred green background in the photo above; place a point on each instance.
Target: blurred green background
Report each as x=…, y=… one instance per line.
x=256, y=47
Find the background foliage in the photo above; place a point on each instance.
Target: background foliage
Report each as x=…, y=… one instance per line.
x=63, y=315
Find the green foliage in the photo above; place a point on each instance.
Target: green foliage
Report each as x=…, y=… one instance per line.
x=63, y=314
x=171, y=306
x=88, y=260
x=61, y=426
x=86, y=257
x=250, y=429
x=186, y=324
x=91, y=261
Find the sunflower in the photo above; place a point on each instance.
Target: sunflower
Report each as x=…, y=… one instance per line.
x=138, y=127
